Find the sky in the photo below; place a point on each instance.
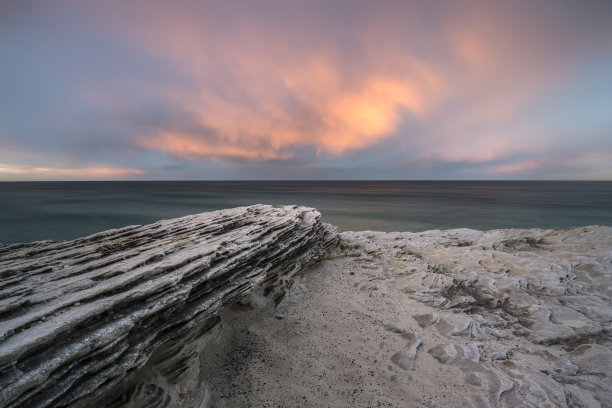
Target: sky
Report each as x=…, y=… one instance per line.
x=343, y=89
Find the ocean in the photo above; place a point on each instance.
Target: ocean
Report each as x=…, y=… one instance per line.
x=31, y=211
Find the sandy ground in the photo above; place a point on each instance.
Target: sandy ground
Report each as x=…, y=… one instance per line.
x=329, y=344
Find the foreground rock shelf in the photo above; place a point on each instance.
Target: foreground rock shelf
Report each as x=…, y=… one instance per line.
x=119, y=318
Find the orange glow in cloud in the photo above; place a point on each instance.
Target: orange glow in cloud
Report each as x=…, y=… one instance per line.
x=563, y=166
x=190, y=147
x=346, y=120
x=515, y=167
x=363, y=119
x=17, y=171
x=102, y=172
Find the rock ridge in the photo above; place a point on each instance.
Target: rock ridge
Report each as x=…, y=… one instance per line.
x=119, y=318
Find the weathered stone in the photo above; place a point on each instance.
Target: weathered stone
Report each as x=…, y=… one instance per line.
x=537, y=303
x=426, y=320
x=405, y=357
x=119, y=318
x=395, y=328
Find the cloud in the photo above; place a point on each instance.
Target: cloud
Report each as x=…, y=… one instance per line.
x=515, y=168
x=26, y=172
x=315, y=84
x=269, y=80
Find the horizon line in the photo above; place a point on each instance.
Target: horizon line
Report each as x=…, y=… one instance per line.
x=301, y=180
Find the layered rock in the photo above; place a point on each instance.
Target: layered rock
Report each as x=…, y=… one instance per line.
x=120, y=317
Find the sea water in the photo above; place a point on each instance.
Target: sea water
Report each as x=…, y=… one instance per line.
x=32, y=211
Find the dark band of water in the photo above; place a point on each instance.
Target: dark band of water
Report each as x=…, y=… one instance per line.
x=65, y=210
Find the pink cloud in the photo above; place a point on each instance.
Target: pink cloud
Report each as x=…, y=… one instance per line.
x=585, y=165
x=519, y=167
x=59, y=173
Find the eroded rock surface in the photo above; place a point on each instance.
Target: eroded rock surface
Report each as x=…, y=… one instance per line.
x=120, y=318
x=524, y=314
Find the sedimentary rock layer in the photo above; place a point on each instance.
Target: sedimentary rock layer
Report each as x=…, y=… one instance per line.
x=83, y=317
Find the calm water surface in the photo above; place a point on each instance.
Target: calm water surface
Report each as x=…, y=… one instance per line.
x=65, y=210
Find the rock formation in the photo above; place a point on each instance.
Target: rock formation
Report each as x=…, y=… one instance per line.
x=134, y=317
x=119, y=318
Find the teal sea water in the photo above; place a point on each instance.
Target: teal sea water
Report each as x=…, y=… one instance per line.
x=65, y=210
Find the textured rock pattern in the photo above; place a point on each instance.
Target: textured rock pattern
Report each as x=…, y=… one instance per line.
x=128, y=310
x=524, y=314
